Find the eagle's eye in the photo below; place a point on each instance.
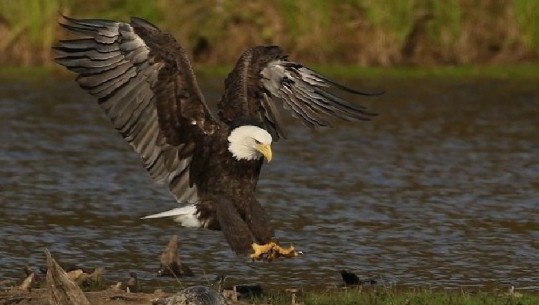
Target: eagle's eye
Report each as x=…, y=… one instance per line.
x=257, y=142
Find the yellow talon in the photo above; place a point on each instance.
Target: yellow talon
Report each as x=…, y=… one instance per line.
x=271, y=251
x=260, y=250
x=287, y=252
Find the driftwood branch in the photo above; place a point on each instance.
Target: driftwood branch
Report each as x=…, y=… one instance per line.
x=28, y=281
x=62, y=290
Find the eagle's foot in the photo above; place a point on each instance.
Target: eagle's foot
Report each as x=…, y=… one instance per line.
x=271, y=251
x=286, y=252
x=262, y=251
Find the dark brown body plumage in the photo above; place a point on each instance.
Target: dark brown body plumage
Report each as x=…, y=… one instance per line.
x=238, y=214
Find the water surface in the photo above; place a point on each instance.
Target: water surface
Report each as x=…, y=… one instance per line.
x=441, y=190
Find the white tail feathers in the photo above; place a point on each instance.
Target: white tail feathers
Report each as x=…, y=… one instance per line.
x=170, y=213
x=186, y=216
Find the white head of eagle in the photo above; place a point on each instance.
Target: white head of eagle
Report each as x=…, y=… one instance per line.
x=250, y=142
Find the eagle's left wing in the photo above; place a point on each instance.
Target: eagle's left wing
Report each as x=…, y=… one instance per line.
x=144, y=83
x=264, y=78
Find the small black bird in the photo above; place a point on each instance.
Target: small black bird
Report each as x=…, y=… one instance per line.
x=350, y=279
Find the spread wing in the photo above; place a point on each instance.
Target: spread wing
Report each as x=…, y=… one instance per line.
x=144, y=83
x=264, y=78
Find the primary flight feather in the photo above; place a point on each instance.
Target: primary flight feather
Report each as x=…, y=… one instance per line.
x=143, y=81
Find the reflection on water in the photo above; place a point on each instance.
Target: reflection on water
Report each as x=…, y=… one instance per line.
x=442, y=190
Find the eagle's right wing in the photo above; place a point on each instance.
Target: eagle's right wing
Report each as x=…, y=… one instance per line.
x=264, y=80
x=144, y=83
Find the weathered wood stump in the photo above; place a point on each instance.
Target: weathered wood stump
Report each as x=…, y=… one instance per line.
x=62, y=290
x=170, y=261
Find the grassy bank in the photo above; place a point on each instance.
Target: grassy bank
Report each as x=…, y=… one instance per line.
x=359, y=32
x=381, y=296
x=519, y=71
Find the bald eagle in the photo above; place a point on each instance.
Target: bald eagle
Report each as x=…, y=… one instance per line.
x=143, y=81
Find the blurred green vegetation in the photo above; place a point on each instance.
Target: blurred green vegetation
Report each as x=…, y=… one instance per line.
x=350, y=32
x=391, y=296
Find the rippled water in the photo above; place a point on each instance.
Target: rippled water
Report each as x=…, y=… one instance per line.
x=441, y=190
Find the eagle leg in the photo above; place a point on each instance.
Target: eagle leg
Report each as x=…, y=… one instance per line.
x=271, y=251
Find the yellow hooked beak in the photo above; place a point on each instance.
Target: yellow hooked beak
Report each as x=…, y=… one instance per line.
x=265, y=149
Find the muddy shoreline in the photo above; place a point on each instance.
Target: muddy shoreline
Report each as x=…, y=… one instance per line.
x=65, y=288
x=59, y=287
